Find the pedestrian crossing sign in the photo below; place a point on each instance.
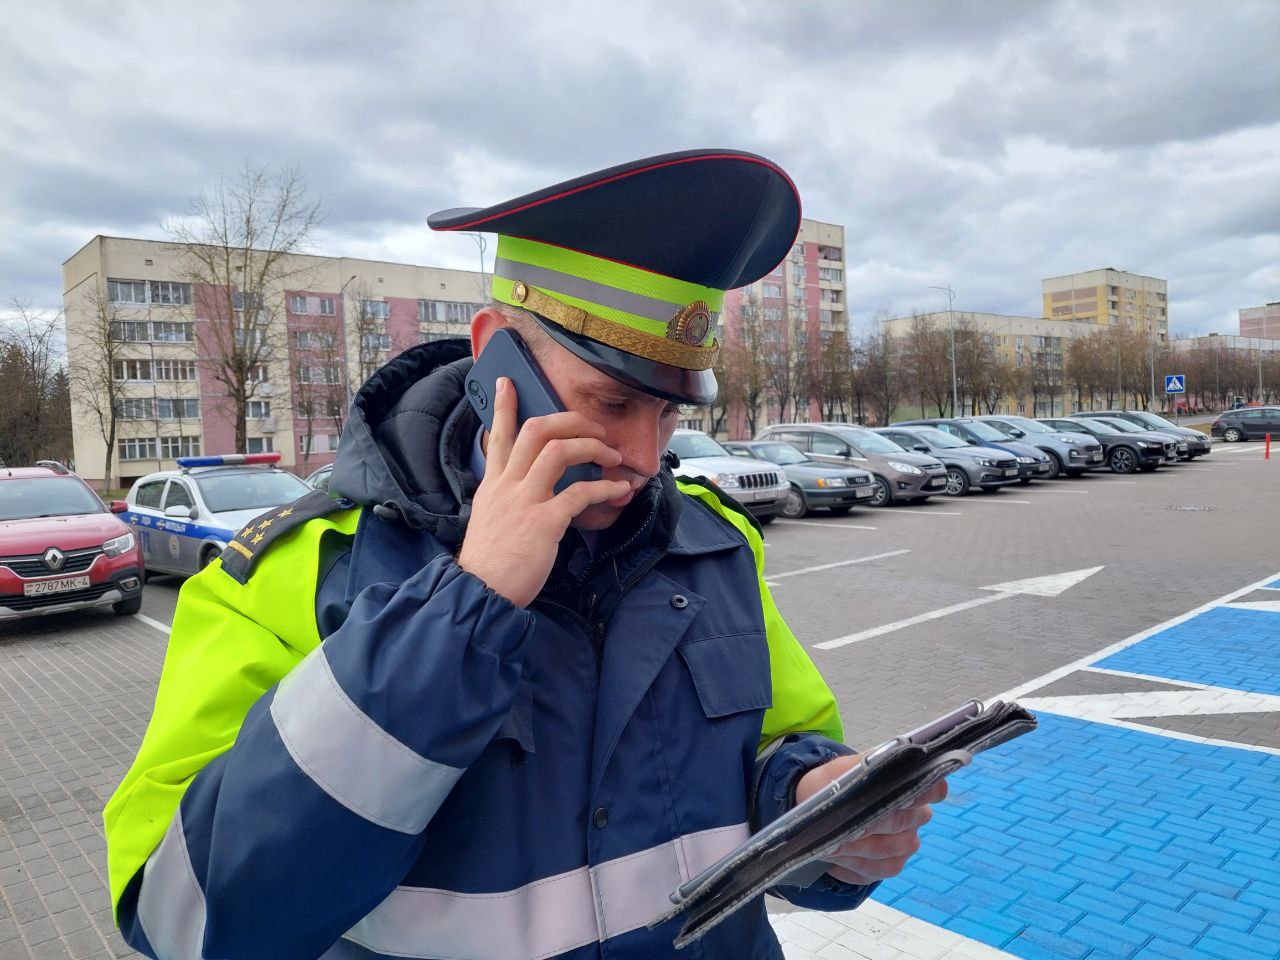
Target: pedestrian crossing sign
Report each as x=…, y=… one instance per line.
x=1175, y=383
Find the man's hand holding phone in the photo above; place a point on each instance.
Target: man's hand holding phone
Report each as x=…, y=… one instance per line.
x=517, y=518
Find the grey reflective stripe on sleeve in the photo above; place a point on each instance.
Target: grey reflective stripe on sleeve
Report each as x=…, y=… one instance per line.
x=171, y=903
x=350, y=757
x=571, y=286
x=547, y=917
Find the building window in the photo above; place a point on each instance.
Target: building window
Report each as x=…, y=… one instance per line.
x=831, y=296
x=256, y=336
x=173, y=447
x=132, y=292
x=375, y=341
x=326, y=306
x=257, y=409
x=132, y=408
x=318, y=443
x=830, y=253
x=138, y=448
x=298, y=305
x=259, y=445
x=797, y=273
x=130, y=331
x=374, y=309
x=772, y=314
x=325, y=374
x=186, y=408
x=798, y=250
x=258, y=373
x=175, y=369
x=246, y=301
x=173, y=331
x=170, y=294
x=136, y=371
x=830, y=273
x=773, y=290
x=314, y=340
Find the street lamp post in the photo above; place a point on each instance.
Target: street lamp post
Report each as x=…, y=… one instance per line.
x=951, y=328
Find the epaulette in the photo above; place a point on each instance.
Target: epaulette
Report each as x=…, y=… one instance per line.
x=244, y=552
x=727, y=501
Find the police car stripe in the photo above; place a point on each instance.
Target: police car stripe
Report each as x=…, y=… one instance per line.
x=549, y=916
x=634, y=303
x=350, y=757
x=171, y=903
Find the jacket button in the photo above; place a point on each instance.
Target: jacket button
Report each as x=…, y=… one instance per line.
x=600, y=818
x=679, y=601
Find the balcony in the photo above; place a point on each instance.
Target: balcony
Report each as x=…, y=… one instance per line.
x=267, y=424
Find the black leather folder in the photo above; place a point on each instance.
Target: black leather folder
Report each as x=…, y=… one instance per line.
x=790, y=849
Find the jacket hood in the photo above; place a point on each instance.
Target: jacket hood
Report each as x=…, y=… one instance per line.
x=406, y=445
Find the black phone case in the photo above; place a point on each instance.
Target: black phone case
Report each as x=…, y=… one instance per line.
x=507, y=355
x=888, y=778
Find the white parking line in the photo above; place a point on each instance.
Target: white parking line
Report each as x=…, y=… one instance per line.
x=994, y=500
x=926, y=513
x=1073, y=493
x=162, y=627
x=825, y=526
x=771, y=577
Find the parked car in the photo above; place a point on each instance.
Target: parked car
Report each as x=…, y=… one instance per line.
x=1032, y=463
x=1069, y=453
x=967, y=466
x=186, y=517
x=1249, y=423
x=757, y=484
x=1124, y=453
x=319, y=479
x=814, y=485
x=1198, y=444
x=61, y=548
x=898, y=475
x=1124, y=426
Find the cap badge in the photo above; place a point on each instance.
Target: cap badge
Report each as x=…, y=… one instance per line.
x=690, y=324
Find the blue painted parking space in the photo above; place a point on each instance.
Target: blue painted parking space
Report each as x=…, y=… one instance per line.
x=1221, y=647
x=1273, y=585
x=1092, y=841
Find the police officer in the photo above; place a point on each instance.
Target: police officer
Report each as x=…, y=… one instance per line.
x=455, y=714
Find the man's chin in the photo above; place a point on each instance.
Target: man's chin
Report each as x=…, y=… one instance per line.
x=599, y=516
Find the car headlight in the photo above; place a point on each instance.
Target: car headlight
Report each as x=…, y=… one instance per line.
x=726, y=480
x=986, y=462
x=122, y=544
x=1149, y=444
x=1026, y=459
x=905, y=467
x=1075, y=441
x=832, y=482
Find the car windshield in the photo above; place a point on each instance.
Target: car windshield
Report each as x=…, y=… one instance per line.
x=869, y=442
x=985, y=431
x=1098, y=426
x=1123, y=426
x=1030, y=426
x=1155, y=422
x=46, y=497
x=936, y=438
x=780, y=453
x=690, y=446
x=250, y=490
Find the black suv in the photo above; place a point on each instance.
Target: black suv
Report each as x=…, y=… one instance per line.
x=1125, y=452
x=1247, y=423
x=1198, y=445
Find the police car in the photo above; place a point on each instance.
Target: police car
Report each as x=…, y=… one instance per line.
x=185, y=518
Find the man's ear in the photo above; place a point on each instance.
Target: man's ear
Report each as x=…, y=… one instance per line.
x=483, y=325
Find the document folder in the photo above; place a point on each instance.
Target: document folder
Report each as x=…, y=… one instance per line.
x=790, y=849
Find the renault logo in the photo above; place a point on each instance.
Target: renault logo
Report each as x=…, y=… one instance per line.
x=54, y=559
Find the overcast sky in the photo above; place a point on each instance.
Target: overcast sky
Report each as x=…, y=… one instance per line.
x=983, y=144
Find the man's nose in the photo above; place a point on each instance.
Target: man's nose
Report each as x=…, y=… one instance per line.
x=639, y=446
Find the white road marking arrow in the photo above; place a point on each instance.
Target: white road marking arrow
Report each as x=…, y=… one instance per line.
x=1050, y=586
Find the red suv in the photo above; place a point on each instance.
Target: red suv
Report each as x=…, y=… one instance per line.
x=60, y=548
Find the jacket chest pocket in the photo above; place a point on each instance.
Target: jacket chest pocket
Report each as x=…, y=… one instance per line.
x=729, y=673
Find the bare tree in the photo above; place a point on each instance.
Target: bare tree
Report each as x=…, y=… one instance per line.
x=829, y=374
x=928, y=354
x=33, y=421
x=97, y=363
x=778, y=357
x=883, y=372
x=238, y=245
x=743, y=353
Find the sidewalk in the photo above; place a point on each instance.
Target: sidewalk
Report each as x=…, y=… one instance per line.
x=1142, y=820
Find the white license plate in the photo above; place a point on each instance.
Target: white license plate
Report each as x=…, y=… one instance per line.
x=1095, y=458
x=1011, y=472
x=863, y=493
x=41, y=587
x=765, y=495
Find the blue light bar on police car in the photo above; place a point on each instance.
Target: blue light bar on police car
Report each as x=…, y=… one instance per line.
x=227, y=459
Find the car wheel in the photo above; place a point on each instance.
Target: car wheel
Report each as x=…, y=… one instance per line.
x=1122, y=460
x=840, y=511
x=206, y=558
x=127, y=608
x=793, y=504
x=1055, y=466
x=765, y=521
x=883, y=495
x=1232, y=435
x=957, y=482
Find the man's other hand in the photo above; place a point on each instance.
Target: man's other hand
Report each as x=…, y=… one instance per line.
x=885, y=850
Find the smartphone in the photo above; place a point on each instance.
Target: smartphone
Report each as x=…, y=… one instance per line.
x=507, y=355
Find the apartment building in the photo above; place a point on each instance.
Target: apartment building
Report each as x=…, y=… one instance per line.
x=326, y=329
x=1109, y=297
x=1261, y=321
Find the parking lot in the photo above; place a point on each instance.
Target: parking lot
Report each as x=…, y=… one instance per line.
x=1140, y=820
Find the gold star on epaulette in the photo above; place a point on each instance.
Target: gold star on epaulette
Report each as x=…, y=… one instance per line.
x=246, y=531
x=284, y=513
x=265, y=523
x=257, y=538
